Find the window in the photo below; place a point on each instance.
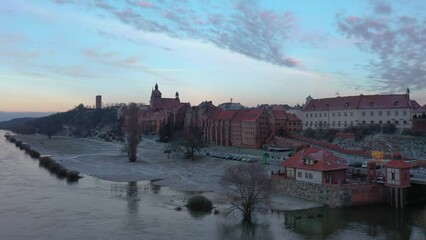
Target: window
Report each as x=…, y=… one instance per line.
x=307, y=115
x=320, y=114
x=345, y=114
x=338, y=114
x=396, y=122
x=334, y=123
x=372, y=122
x=388, y=113
x=371, y=104
x=396, y=103
x=404, y=113
x=363, y=122
x=380, y=122
x=334, y=114
x=405, y=122
x=393, y=176
x=371, y=113
x=363, y=114
x=311, y=115
x=325, y=114
x=380, y=113
x=396, y=113
x=315, y=115
x=345, y=123
x=310, y=176
x=352, y=114
x=306, y=175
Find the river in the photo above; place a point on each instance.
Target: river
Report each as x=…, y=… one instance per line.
x=36, y=205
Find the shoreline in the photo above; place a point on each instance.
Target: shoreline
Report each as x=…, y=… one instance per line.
x=103, y=160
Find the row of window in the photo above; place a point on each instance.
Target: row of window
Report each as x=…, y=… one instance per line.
x=345, y=114
x=307, y=175
x=345, y=123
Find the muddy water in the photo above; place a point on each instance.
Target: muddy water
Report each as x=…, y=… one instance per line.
x=37, y=205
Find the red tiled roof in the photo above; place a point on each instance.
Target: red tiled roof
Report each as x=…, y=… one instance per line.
x=323, y=160
x=292, y=117
x=280, y=114
x=240, y=115
x=223, y=114
x=420, y=110
x=415, y=104
x=359, y=102
x=401, y=164
x=253, y=114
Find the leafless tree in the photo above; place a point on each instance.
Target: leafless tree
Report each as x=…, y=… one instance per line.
x=189, y=141
x=133, y=131
x=248, y=186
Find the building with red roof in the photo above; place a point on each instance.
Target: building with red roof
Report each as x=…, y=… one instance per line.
x=342, y=112
x=162, y=111
x=315, y=165
x=249, y=127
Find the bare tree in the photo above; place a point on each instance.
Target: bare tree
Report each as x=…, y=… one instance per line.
x=189, y=141
x=133, y=131
x=248, y=186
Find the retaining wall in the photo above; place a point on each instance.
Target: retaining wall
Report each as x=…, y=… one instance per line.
x=331, y=195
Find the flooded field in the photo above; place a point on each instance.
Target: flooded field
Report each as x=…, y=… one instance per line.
x=37, y=205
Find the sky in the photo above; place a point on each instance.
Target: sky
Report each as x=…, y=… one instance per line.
x=56, y=54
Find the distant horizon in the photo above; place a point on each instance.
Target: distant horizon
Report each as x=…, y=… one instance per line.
x=253, y=51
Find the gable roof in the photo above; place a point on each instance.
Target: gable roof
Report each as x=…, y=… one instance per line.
x=401, y=164
x=323, y=160
x=223, y=114
x=359, y=102
x=420, y=110
x=415, y=104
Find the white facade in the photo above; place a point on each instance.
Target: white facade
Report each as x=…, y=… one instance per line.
x=309, y=176
x=342, y=112
x=340, y=119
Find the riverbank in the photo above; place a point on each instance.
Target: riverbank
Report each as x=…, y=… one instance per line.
x=104, y=160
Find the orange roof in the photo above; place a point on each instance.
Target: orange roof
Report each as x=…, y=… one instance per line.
x=359, y=102
x=292, y=117
x=280, y=114
x=323, y=160
x=253, y=114
x=401, y=164
x=223, y=114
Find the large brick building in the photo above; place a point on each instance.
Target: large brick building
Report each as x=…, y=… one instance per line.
x=251, y=127
x=162, y=111
x=342, y=112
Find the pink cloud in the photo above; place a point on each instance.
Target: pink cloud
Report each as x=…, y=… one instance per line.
x=144, y=4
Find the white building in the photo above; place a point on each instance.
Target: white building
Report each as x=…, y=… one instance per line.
x=342, y=112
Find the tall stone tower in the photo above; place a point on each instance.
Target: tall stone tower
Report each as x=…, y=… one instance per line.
x=155, y=101
x=98, y=102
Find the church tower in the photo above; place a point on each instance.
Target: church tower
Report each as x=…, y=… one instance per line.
x=155, y=101
x=177, y=96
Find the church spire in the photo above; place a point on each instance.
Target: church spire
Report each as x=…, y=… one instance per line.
x=156, y=86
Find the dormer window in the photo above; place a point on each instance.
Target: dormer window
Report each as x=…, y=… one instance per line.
x=326, y=105
x=346, y=104
x=371, y=104
x=313, y=106
x=396, y=103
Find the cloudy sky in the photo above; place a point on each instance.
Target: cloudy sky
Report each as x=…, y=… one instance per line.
x=55, y=54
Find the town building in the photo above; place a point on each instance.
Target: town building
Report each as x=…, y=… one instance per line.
x=342, y=112
x=250, y=127
x=162, y=111
x=315, y=165
x=231, y=106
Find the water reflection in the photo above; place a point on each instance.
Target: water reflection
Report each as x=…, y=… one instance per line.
x=374, y=221
x=245, y=231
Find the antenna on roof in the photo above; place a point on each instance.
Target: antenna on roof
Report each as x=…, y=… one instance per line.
x=231, y=100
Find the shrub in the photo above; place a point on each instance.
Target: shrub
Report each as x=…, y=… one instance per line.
x=34, y=153
x=415, y=133
x=199, y=204
x=73, y=176
x=309, y=133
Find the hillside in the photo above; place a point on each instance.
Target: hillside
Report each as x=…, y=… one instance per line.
x=78, y=122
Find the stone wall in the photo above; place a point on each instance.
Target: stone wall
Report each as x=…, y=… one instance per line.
x=330, y=195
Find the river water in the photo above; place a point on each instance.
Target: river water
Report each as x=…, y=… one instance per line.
x=36, y=205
